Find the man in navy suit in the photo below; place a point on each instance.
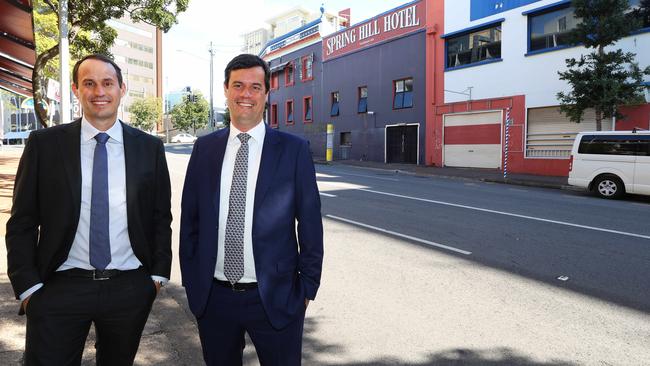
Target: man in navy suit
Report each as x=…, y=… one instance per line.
x=246, y=266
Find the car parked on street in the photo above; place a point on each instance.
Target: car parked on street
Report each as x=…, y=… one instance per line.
x=184, y=138
x=611, y=163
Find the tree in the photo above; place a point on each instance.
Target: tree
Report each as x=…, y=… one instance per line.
x=146, y=112
x=191, y=115
x=602, y=79
x=88, y=32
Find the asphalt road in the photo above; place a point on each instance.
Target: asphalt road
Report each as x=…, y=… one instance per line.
x=434, y=271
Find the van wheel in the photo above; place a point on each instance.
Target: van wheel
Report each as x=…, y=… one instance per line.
x=609, y=186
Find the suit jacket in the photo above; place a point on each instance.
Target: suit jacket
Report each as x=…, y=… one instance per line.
x=288, y=262
x=47, y=201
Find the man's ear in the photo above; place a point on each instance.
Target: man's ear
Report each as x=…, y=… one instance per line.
x=123, y=88
x=75, y=91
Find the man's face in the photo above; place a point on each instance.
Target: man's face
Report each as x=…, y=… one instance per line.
x=246, y=97
x=98, y=92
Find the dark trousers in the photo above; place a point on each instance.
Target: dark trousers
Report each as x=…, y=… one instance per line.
x=230, y=314
x=59, y=316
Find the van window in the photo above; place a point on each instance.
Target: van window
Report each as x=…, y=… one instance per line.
x=615, y=145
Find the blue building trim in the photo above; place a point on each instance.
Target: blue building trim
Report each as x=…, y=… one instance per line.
x=548, y=7
x=484, y=8
x=480, y=63
x=287, y=35
x=474, y=28
x=552, y=49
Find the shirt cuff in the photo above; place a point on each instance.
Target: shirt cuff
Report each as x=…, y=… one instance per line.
x=30, y=291
x=162, y=280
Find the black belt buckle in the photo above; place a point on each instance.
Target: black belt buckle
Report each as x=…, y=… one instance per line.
x=234, y=287
x=99, y=275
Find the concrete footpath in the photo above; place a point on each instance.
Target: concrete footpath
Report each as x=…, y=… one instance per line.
x=171, y=337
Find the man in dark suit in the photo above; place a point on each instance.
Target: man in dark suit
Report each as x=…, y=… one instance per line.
x=245, y=265
x=85, y=246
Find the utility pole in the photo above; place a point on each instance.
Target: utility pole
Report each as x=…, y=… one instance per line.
x=64, y=56
x=211, y=114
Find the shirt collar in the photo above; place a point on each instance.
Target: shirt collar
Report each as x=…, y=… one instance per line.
x=257, y=133
x=88, y=131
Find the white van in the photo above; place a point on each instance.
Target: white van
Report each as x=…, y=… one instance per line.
x=611, y=163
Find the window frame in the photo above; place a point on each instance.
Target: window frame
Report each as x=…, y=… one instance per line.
x=290, y=66
x=336, y=103
x=273, y=111
x=304, y=109
x=303, y=67
x=403, y=93
x=286, y=113
x=496, y=24
x=359, y=99
x=275, y=81
x=541, y=12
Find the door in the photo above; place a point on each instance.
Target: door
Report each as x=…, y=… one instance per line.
x=402, y=144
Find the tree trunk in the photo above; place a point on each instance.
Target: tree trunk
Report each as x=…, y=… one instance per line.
x=599, y=120
x=38, y=81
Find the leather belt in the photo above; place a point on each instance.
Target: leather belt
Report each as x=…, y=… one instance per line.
x=237, y=286
x=94, y=274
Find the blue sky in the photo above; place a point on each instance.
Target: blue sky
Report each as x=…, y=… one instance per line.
x=185, y=46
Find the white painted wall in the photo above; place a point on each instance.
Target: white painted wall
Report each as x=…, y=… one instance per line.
x=534, y=76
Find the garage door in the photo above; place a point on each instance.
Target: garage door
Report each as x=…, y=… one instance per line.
x=473, y=140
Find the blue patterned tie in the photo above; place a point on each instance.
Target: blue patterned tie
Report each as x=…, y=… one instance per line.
x=233, y=265
x=100, y=246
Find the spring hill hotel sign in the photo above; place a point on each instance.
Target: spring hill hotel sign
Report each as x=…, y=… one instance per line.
x=395, y=23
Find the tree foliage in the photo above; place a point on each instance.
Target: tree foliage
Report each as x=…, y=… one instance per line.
x=191, y=115
x=145, y=113
x=602, y=79
x=88, y=32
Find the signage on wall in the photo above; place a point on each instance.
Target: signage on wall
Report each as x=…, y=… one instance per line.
x=484, y=8
x=396, y=23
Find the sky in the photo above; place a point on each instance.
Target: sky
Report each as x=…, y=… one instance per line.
x=186, y=60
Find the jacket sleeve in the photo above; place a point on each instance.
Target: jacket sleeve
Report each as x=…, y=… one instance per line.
x=310, y=224
x=162, y=256
x=23, y=225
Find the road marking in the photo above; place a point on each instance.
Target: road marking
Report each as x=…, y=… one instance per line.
x=508, y=214
x=371, y=176
x=437, y=245
x=327, y=194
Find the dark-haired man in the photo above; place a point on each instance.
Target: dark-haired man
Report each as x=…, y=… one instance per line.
x=245, y=267
x=85, y=246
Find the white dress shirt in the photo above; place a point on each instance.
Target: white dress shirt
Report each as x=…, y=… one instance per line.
x=255, y=144
x=122, y=256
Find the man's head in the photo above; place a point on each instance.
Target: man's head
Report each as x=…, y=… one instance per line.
x=246, y=86
x=98, y=84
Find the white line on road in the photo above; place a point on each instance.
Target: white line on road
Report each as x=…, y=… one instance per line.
x=370, y=176
x=327, y=194
x=509, y=214
x=437, y=245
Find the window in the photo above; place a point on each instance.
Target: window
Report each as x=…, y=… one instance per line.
x=306, y=109
x=274, y=115
x=403, y=94
x=551, y=28
x=289, y=112
x=615, y=145
x=363, y=100
x=289, y=77
x=334, y=111
x=307, y=68
x=475, y=46
x=275, y=81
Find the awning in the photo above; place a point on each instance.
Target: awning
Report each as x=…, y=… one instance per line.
x=279, y=67
x=17, y=47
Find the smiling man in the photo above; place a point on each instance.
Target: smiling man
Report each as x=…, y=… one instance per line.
x=246, y=266
x=85, y=246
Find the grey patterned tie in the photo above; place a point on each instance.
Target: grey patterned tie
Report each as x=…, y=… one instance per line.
x=233, y=266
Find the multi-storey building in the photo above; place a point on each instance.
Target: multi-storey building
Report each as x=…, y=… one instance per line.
x=138, y=52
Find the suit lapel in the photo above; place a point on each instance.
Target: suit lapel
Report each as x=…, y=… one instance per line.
x=216, y=152
x=270, y=156
x=70, y=145
x=130, y=166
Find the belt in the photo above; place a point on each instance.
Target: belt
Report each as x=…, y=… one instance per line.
x=237, y=286
x=94, y=274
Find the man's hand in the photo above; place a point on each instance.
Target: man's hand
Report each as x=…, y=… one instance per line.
x=24, y=305
x=157, y=283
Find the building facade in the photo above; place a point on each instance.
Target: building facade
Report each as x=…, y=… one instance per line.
x=433, y=82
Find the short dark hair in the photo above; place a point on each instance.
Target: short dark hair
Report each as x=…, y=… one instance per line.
x=247, y=61
x=100, y=57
